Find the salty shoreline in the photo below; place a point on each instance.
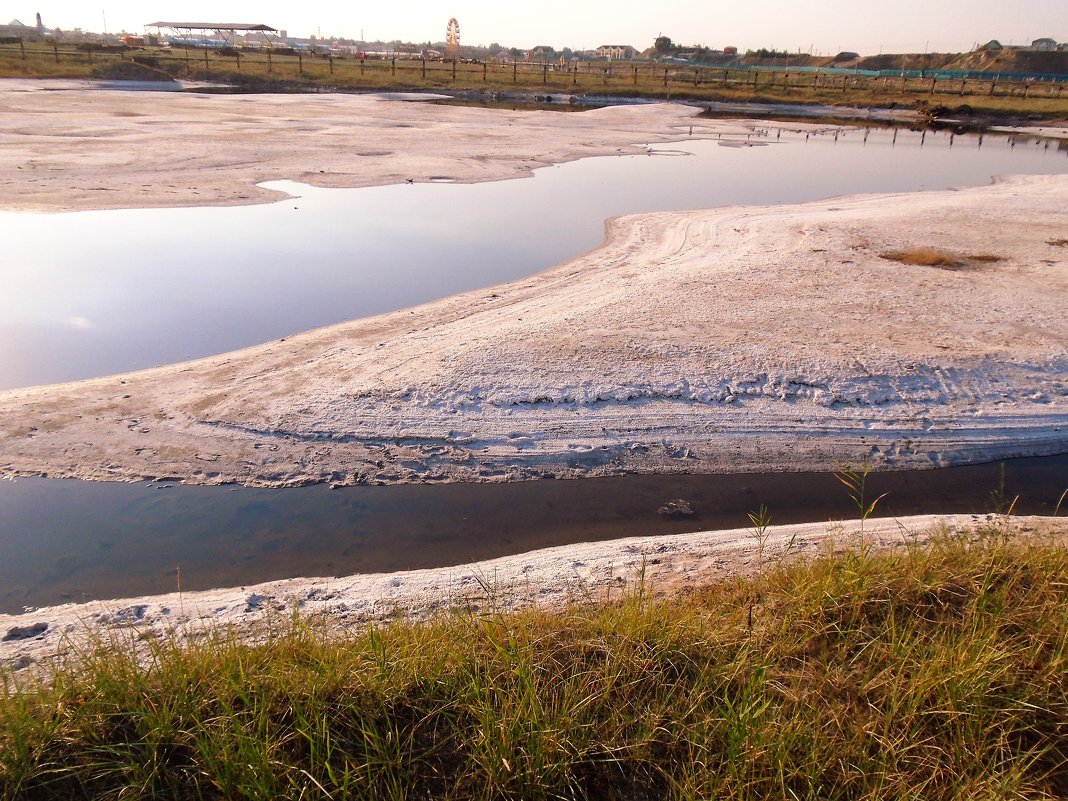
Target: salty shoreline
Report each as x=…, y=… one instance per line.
x=741, y=339
x=79, y=149
x=729, y=340
x=548, y=579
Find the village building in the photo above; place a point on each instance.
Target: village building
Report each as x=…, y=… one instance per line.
x=616, y=52
x=541, y=53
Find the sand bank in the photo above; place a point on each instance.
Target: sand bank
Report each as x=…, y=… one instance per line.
x=64, y=147
x=738, y=339
x=548, y=579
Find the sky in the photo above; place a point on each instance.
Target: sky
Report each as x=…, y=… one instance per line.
x=818, y=26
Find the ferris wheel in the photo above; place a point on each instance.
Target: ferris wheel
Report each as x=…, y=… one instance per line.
x=452, y=39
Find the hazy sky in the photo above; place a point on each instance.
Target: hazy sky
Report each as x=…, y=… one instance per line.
x=825, y=26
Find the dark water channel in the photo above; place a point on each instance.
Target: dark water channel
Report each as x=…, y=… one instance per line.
x=73, y=540
x=93, y=293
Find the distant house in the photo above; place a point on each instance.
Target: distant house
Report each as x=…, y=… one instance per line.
x=542, y=53
x=1044, y=44
x=730, y=50
x=616, y=52
x=17, y=30
x=993, y=44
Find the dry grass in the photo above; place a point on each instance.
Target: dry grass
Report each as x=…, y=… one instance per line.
x=935, y=672
x=290, y=73
x=924, y=257
x=935, y=257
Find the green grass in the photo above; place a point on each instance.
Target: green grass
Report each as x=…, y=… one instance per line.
x=933, y=672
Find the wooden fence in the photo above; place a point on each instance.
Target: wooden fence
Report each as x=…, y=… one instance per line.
x=580, y=77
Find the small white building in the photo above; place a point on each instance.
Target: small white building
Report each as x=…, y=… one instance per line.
x=616, y=52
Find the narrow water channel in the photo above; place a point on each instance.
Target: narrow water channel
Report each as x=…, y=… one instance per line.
x=93, y=293
x=66, y=541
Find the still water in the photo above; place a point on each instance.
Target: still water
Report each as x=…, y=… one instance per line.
x=93, y=293
x=76, y=540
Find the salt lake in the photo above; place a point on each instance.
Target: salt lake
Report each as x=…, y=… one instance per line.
x=93, y=293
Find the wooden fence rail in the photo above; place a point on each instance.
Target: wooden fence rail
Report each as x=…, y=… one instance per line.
x=578, y=77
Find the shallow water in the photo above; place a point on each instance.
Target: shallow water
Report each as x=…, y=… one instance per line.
x=74, y=540
x=94, y=293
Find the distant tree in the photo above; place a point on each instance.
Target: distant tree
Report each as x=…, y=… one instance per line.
x=663, y=45
x=766, y=53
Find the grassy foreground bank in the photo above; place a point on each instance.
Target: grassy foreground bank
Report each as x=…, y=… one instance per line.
x=934, y=671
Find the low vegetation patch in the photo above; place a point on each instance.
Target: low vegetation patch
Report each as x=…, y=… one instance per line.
x=130, y=71
x=933, y=672
x=934, y=257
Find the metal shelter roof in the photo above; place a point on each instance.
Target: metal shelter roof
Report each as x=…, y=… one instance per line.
x=212, y=26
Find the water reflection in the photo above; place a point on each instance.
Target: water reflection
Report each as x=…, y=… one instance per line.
x=93, y=293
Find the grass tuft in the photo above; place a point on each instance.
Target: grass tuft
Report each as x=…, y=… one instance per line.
x=934, y=672
x=924, y=257
x=934, y=257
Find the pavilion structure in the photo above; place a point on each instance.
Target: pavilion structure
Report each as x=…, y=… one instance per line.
x=223, y=31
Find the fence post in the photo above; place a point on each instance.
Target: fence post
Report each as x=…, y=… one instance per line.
x=330, y=59
x=22, y=49
x=55, y=49
x=300, y=62
x=90, y=56
x=695, y=73
x=269, y=64
x=485, y=70
x=393, y=67
x=206, y=67
x=237, y=58
x=454, y=67
x=545, y=72
x=665, y=76
x=515, y=70
x=423, y=60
